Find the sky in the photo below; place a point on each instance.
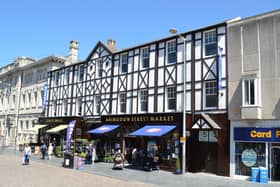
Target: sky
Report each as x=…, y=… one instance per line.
x=39, y=28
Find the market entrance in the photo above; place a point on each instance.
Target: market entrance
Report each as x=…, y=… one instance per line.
x=275, y=162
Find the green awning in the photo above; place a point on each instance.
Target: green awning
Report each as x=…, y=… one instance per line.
x=37, y=127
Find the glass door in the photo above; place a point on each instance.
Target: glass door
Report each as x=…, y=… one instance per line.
x=275, y=162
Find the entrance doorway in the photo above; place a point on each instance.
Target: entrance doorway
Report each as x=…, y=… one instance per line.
x=275, y=162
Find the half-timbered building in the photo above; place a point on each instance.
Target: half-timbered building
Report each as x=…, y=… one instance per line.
x=141, y=87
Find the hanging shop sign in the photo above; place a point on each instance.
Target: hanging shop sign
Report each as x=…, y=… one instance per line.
x=257, y=134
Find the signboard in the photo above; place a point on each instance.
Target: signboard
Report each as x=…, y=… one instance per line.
x=249, y=157
x=257, y=134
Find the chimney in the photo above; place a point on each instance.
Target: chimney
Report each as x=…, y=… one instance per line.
x=73, y=52
x=111, y=44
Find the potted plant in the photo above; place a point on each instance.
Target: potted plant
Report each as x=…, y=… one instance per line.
x=178, y=166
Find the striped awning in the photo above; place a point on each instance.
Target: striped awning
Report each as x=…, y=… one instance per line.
x=57, y=129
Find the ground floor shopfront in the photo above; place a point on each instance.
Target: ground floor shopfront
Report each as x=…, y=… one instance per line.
x=255, y=144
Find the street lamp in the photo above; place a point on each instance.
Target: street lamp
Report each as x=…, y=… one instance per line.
x=174, y=31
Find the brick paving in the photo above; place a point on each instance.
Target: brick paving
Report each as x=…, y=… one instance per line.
x=51, y=173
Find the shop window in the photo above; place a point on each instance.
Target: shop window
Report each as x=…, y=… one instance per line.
x=248, y=155
x=171, y=52
x=250, y=92
x=210, y=43
x=145, y=57
x=65, y=106
x=54, y=108
x=79, y=106
x=211, y=97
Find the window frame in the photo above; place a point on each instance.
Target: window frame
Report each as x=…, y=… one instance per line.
x=143, y=100
x=213, y=91
x=171, y=49
x=171, y=97
x=81, y=73
x=124, y=63
x=122, y=101
x=212, y=40
x=256, y=91
x=99, y=68
x=145, y=57
x=98, y=104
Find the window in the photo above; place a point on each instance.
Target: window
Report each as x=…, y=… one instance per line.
x=67, y=76
x=79, y=106
x=65, y=106
x=29, y=100
x=250, y=94
x=56, y=78
x=14, y=100
x=210, y=43
x=144, y=100
x=145, y=57
x=100, y=68
x=124, y=63
x=122, y=102
x=97, y=103
x=81, y=73
x=35, y=99
x=54, y=108
x=171, y=98
x=211, y=97
x=171, y=52
x=23, y=99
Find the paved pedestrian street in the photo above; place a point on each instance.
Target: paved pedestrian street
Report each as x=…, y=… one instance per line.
x=50, y=173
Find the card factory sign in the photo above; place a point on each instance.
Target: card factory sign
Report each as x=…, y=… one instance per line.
x=257, y=134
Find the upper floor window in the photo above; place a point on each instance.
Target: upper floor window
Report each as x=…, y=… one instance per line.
x=210, y=43
x=124, y=63
x=56, y=78
x=250, y=92
x=65, y=106
x=28, y=77
x=122, y=102
x=171, y=98
x=79, y=106
x=54, y=108
x=100, y=68
x=67, y=76
x=97, y=104
x=35, y=99
x=145, y=57
x=144, y=100
x=211, y=97
x=171, y=52
x=81, y=73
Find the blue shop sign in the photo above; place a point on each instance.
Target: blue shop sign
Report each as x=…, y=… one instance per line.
x=257, y=134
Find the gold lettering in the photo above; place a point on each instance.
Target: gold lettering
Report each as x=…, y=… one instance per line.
x=277, y=134
x=255, y=134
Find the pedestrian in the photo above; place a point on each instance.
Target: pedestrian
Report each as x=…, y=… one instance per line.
x=93, y=154
x=27, y=153
x=50, y=151
x=43, y=150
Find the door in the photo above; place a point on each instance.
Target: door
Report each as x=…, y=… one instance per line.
x=275, y=163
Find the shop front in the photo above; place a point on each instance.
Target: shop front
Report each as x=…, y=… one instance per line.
x=256, y=147
x=142, y=132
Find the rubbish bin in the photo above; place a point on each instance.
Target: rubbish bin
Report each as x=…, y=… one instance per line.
x=263, y=175
x=255, y=174
x=68, y=161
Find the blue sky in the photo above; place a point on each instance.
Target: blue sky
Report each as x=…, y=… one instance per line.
x=38, y=28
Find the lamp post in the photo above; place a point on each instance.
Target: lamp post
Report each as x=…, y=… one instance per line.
x=174, y=31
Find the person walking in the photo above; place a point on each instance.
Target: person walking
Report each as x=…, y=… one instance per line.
x=27, y=153
x=93, y=154
x=50, y=151
x=43, y=151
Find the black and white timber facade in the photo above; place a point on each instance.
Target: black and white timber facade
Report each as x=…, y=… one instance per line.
x=130, y=87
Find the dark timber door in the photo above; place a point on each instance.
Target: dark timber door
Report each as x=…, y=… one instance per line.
x=275, y=159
